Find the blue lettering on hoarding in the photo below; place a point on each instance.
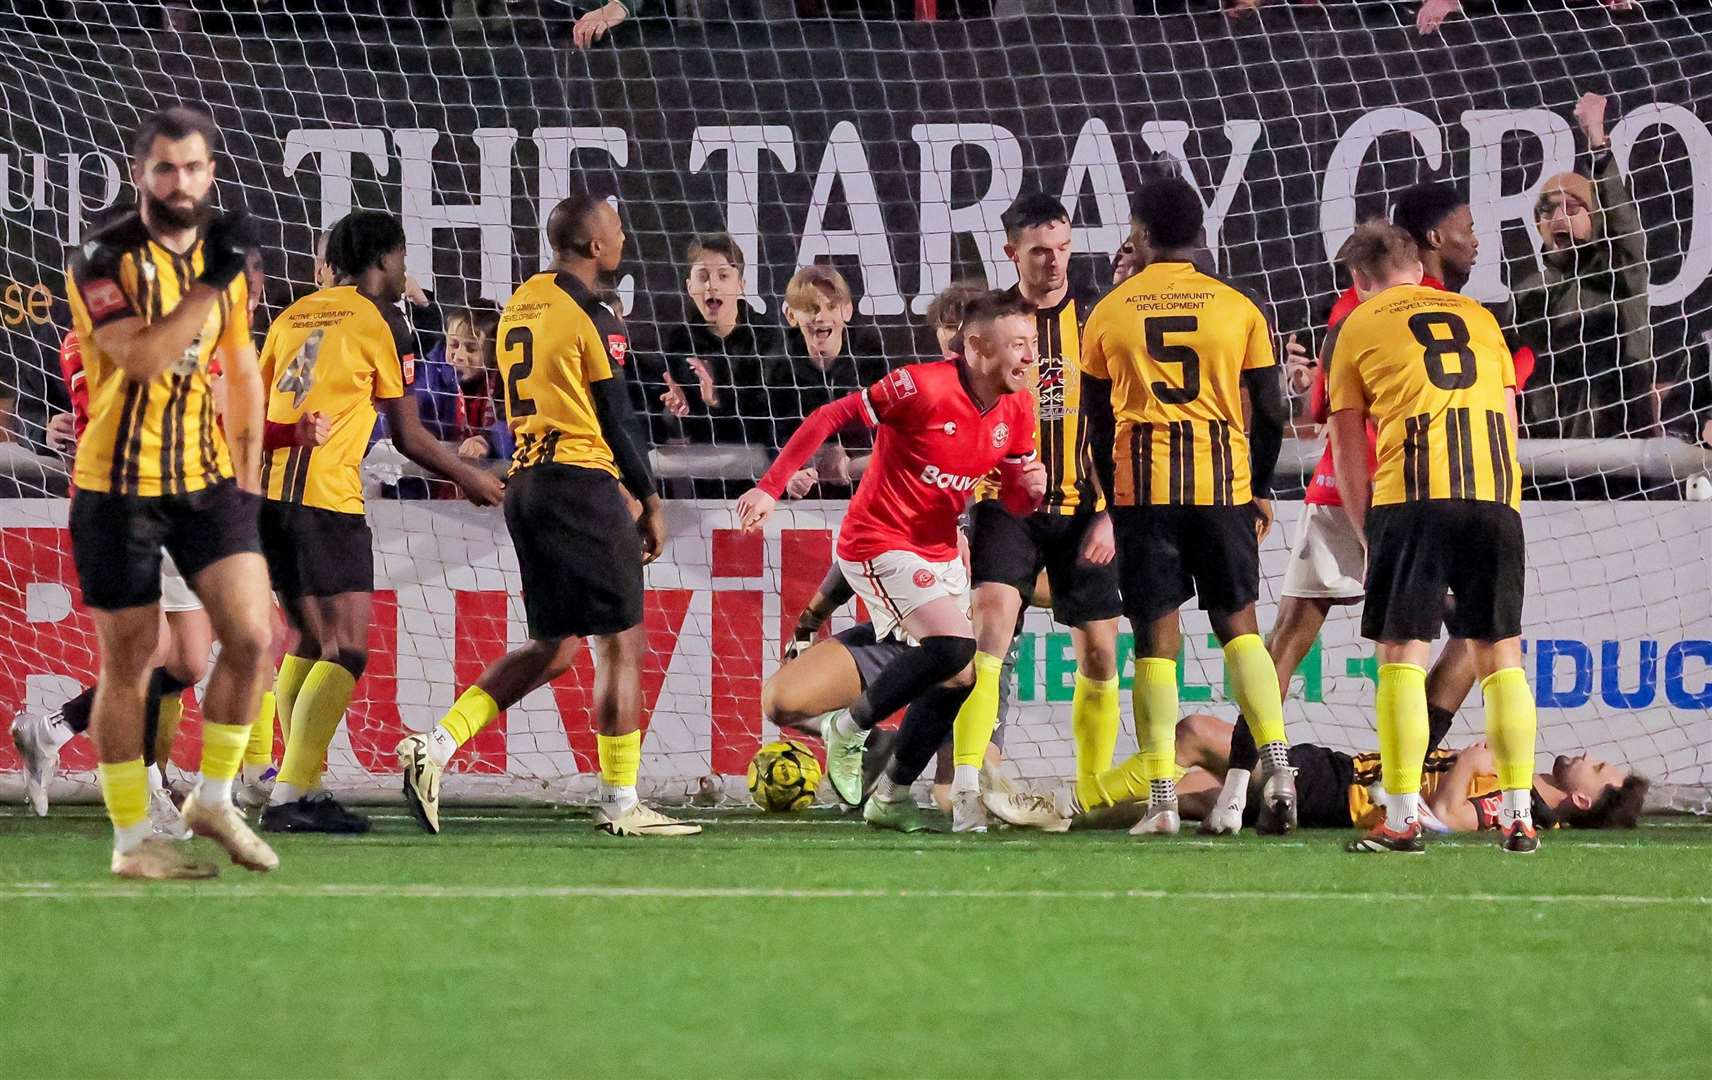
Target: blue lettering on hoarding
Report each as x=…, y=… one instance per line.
x=1675, y=685
x=1545, y=682
x=1610, y=672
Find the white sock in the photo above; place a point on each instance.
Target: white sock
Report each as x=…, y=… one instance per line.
x=441, y=746
x=59, y=733
x=284, y=793
x=255, y=774
x=1518, y=806
x=1234, y=794
x=1402, y=809
x=212, y=792
x=889, y=790
x=845, y=724
x=127, y=839
x=155, y=783
x=966, y=778
x=615, y=802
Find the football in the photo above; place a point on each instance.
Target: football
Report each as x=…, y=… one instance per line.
x=783, y=776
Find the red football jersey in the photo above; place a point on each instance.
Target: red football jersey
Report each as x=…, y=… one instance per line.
x=934, y=446
x=71, y=369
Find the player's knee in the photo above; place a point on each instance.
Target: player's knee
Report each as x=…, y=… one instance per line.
x=246, y=643
x=352, y=658
x=1100, y=661
x=952, y=656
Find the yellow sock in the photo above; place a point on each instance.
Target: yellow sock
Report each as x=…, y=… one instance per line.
x=973, y=728
x=1156, y=715
x=259, y=750
x=1094, y=726
x=1402, y=708
x=169, y=711
x=223, y=749
x=1128, y=782
x=620, y=758
x=1510, y=727
x=125, y=790
x=474, y=710
x=315, y=717
x=1254, y=681
x=292, y=671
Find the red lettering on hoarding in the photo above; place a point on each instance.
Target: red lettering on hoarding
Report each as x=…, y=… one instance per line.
x=372, y=721
x=63, y=647
x=663, y=613
x=805, y=556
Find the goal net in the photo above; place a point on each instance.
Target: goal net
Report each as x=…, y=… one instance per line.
x=888, y=150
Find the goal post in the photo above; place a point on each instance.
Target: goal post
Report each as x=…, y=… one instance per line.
x=889, y=151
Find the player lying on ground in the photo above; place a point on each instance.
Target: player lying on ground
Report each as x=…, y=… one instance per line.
x=344, y=353
x=157, y=297
x=1170, y=352
x=943, y=426
x=1440, y=514
x=1459, y=788
x=580, y=547
x=1328, y=560
x=1069, y=537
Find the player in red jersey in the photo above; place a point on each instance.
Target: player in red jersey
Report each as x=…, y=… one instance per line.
x=1328, y=561
x=942, y=427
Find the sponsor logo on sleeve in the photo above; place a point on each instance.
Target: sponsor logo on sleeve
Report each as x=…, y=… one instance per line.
x=618, y=347
x=103, y=298
x=408, y=363
x=903, y=383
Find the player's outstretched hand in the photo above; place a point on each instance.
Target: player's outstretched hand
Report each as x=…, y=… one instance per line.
x=594, y=25
x=1099, y=546
x=754, y=507
x=482, y=487
x=62, y=433
x=652, y=525
x=1263, y=518
x=1433, y=13
x=313, y=429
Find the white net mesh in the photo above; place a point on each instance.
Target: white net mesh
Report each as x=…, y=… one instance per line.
x=888, y=150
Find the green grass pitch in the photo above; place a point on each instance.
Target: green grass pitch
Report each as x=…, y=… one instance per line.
x=524, y=944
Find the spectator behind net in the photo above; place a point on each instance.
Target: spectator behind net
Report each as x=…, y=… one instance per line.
x=824, y=360
x=714, y=361
x=1585, y=315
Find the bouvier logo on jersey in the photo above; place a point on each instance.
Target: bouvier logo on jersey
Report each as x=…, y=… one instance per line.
x=617, y=347
x=1001, y=434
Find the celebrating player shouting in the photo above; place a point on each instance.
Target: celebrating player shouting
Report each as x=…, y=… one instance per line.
x=942, y=427
x=1432, y=370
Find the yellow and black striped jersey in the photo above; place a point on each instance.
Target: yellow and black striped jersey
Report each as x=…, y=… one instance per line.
x=335, y=352
x=160, y=436
x=1061, y=427
x=553, y=340
x=1432, y=370
x=1174, y=343
x=1366, y=804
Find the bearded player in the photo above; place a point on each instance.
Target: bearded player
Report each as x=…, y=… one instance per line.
x=341, y=352
x=157, y=298
x=942, y=426
x=580, y=548
x=1440, y=514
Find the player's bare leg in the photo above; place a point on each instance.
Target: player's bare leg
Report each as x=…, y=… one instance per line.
x=333, y=639
x=187, y=638
x=821, y=680
x=422, y=757
x=1449, y=682
x=127, y=640
x=235, y=593
x=618, y=723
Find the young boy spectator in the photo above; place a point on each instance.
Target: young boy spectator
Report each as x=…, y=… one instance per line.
x=714, y=362
x=1586, y=316
x=824, y=360
x=945, y=315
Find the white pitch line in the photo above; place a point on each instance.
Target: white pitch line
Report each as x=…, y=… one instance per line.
x=49, y=890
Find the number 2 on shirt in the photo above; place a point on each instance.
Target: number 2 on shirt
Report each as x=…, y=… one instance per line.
x=524, y=338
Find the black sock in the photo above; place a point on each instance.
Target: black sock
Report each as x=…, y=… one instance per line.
x=1438, y=725
x=906, y=678
x=161, y=685
x=923, y=732
x=1243, y=753
x=76, y=711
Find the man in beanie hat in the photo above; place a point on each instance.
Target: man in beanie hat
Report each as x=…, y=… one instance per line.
x=1586, y=315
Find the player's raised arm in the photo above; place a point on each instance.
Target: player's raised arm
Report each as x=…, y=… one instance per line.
x=757, y=503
